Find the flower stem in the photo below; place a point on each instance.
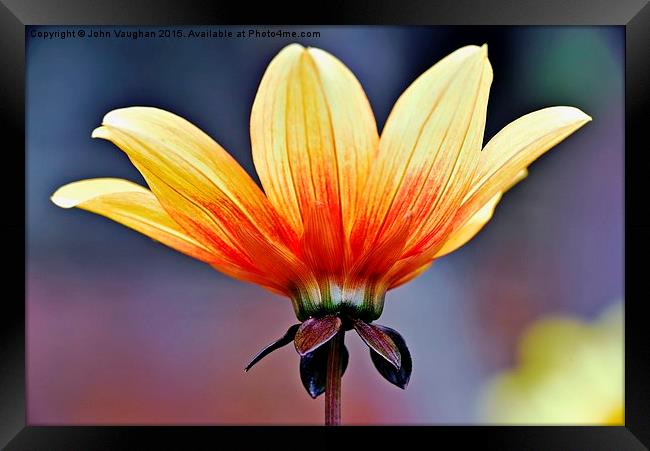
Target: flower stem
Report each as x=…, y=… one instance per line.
x=333, y=382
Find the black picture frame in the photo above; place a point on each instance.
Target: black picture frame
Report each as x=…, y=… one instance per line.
x=15, y=15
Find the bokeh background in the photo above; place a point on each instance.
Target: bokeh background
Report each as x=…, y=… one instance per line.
x=123, y=330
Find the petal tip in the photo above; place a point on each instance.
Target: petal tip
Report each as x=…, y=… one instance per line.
x=64, y=197
x=473, y=51
x=578, y=115
x=100, y=132
x=123, y=117
x=76, y=193
x=564, y=115
x=62, y=201
x=294, y=47
x=315, y=51
x=112, y=116
x=119, y=116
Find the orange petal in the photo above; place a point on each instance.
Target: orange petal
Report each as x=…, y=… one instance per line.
x=462, y=233
x=313, y=135
x=465, y=233
x=201, y=187
x=321, y=243
x=428, y=151
x=375, y=263
x=413, y=265
x=410, y=266
x=410, y=276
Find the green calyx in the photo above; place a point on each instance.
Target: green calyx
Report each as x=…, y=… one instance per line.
x=362, y=300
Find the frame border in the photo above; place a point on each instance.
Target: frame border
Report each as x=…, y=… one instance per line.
x=15, y=15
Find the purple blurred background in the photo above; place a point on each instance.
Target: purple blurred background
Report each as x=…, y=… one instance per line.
x=122, y=330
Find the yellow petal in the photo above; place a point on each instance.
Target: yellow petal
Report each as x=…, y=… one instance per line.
x=428, y=150
x=514, y=148
x=133, y=206
x=313, y=135
x=201, y=187
x=503, y=163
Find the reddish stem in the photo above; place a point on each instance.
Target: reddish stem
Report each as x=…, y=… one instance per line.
x=333, y=383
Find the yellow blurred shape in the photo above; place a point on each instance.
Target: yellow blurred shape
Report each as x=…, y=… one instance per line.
x=569, y=372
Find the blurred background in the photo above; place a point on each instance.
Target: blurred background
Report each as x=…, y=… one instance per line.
x=123, y=330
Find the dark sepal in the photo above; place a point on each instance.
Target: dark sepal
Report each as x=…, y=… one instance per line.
x=379, y=341
x=401, y=376
x=313, y=369
x=315, y=332
x=285, y=340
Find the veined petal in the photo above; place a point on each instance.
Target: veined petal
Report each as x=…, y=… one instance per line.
x=313, y=135
x=321, y=242
x=201, y=187
x=428, y=150
x=374, y=264
x=462, y=233
x=410, y=266
x=503, y=163
x=133, y=206
x=410, y=275
x=465, y=233
x=137, y=208
x=514, y=148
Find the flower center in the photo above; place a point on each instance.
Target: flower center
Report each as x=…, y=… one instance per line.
x=356, y=299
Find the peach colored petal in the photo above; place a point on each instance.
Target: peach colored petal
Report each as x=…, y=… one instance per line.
x=428, y=151
x=313, y=136
x=202, y=188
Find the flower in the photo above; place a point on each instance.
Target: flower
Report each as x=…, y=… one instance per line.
x=345, y=215
x=569, y=372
